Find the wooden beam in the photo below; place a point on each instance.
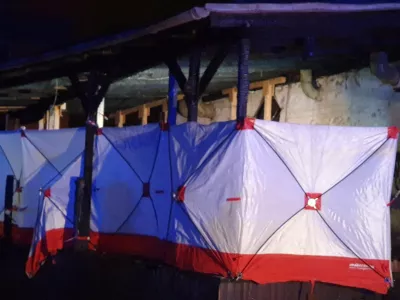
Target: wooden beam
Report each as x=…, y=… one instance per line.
x=8, y=108
x=259, y=84
x=152, y=104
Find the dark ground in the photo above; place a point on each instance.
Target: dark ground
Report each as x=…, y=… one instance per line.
x=92, y=276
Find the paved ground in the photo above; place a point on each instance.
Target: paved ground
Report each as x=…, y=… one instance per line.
x=91, y=276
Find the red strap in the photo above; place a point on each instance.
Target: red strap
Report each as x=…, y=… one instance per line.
x=392, y=132
x=164, y=126
x=233, y=199
x=47, y=193
x=391, y=202
x=180, y=196
x=246, y=124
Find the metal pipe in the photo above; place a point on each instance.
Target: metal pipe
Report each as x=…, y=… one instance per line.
x=243, y=78
x=307, y=85
x=385, y=72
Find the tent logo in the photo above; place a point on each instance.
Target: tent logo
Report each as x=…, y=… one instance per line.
x=358, y=266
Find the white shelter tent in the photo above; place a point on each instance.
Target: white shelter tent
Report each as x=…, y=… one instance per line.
x=261, y=201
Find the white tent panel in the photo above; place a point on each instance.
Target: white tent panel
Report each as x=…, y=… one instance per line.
x=192, y=144
x=36, y=172
x=118, y=206
x=211, y=196
x=10, y=163
x=60, y=147
x=11, y=144
x=160, y=186
x=5, y=170
x=45, y=156
x=138, y=145
x=305, y=234
x=357, y=209
x=55, y=223
x=313, y=153
x=268, y=187
x=244, y=199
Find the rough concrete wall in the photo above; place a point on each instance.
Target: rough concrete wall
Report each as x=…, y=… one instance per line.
x=223, y=109
x=354, y=98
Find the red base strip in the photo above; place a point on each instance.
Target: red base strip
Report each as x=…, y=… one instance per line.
x=53, y=242
x=21, y=236
x=1, y=229
x=267, y=268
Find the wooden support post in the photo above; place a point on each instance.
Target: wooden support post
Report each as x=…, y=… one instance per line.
x=267, y=95
x=144, y=113
x=42, y=124
x=91, y=93
x=268, y=92
x=232, y=95
x=7, y=122
x=53, y=118
x=120, y=119
x=17, y=124
x=164, y=108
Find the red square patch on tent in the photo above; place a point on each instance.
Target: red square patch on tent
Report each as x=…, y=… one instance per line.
x=312, y=201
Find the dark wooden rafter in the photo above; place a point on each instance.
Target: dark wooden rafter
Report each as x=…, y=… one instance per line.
x=213, y=67
x=192, y=85
x=177, y=72
x=91, y=91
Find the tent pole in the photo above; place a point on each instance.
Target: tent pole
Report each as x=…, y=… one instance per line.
x=91, y=92
x=243, y=78
x=172, y=100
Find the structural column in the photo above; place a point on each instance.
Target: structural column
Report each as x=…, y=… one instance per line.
x=172, y=99
x=91, y=93
x=243, y=79
x=192, y=86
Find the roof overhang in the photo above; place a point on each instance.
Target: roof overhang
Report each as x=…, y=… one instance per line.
x=342, y=29
x=281, y=21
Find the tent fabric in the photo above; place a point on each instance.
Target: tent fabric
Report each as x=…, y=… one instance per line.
x=263, y=201
x=36, y=158
x=10, y=164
